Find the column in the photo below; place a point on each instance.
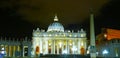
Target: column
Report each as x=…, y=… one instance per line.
x=23, y=51
x=54, y=46
x=85, y=46
x=41, y=46
x=62, y=48
x=74, y=48
x=4, y=48
x=29, y=49
x=47, y=47
x=8, y=51
x=68, y=47
x=73, y=51
x=13, y=51
x=57, y=49
x=51, y=47
x=18, y=49
x=78, y=46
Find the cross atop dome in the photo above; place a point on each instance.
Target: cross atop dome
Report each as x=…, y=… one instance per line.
x=55, y=18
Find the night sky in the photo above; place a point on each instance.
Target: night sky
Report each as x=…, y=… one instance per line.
x=19, y=17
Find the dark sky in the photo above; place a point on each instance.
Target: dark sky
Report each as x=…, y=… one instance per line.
x=19, y=17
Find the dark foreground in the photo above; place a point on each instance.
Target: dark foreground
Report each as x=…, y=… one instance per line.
x=66, y=56
x=55, y=56
x=61, y=56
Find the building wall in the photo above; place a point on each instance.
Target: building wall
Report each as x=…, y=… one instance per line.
x=45, y=40
x=111, y=45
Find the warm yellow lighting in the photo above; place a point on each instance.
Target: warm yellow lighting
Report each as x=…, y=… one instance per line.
x=56, y=35
x=49, y=44
x=50, y=35
x=18, y=48
x=64, y=34
x=64, y=42
x=82, y=35
x=105, y=35
x=82, y=44
x=70, y=40
x=60, y=43
x=70, y=44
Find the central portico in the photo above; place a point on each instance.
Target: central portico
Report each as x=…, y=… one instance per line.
x=56, y=40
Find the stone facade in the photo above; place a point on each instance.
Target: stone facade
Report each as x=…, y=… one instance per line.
x=56, y=40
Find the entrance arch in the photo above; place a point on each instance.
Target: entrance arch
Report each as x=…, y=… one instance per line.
x=37, y=50
x=82, y=51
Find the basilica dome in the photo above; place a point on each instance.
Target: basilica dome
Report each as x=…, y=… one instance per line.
x=55, y=26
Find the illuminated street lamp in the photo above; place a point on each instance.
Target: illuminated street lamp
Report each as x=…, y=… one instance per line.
x=3, y=52
x=105, y=52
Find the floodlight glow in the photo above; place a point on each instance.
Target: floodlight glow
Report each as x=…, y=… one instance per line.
x=2, y=52
x=2, y=49
x=60, y=43
x=70, y=44
x=74, y=48
x=88, y=51
x=49, y=44
x=105, y=52
x=97, y=53
x=65, y=52
x=82, y=44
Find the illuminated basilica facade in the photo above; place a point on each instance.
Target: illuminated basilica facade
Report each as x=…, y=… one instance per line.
x=56, y=40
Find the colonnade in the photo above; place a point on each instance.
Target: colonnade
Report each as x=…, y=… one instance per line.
x=15, y=50
x=10, y=50
x=63, y=46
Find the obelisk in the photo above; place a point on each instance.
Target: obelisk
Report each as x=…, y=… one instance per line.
x=92, y=36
